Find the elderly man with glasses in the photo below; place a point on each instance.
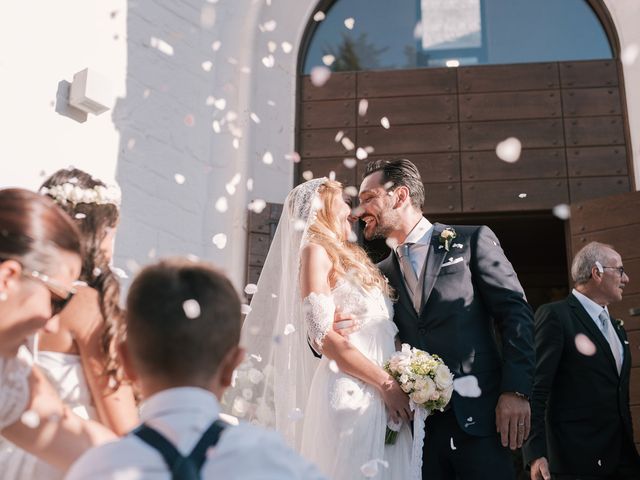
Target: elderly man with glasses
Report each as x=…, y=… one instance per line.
x=581, y=423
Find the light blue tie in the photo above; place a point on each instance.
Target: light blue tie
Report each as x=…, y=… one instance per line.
x=610, y=335
x=410, y=277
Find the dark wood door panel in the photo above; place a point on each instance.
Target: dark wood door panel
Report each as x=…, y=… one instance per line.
x=322, y=143
x=410, y=138
x=411, y=110
x=634, y=393
x=597, y=161
x=625, y=239
x=329, y=113
x=503, y=196
x=398, y=83
x=634, y=346
x=497, y=78
x=594, y=131
x=629, y=301
x=322, y=167
x=442, y=198
x=531, y=133
x=339, y=85
x=433, y=167
x=258, y=248
x=586, y=188
x=605, y=213
x=596, y=73
x=591, y=101
x=510, y=105
x=538, y=163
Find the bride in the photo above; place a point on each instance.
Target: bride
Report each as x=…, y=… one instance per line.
x=334, y=410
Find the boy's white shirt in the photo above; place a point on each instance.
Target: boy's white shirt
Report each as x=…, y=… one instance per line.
x=182, y=415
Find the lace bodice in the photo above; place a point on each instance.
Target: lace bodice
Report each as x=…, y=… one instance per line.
x=14, y=386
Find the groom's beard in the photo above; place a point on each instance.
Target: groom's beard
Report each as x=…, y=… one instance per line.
x=385, y=225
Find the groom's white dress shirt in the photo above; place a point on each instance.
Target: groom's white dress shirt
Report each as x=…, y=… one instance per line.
x=182, y=415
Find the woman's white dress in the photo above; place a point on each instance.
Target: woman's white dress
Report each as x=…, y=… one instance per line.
x=66, y=375
x=345, y=419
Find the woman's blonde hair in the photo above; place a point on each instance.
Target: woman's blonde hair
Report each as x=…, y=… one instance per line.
x=348, y=258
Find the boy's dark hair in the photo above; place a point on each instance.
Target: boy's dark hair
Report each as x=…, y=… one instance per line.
x=165, y=336
x=400, y=172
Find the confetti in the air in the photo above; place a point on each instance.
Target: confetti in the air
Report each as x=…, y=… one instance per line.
x=257, y=205
x=333, y=366
x=250, y=184
x=522, y=195
x=584, y=345
x=293, y=157
x=361, y=153
x=286, y=47
x=272, y=46
x=295, y=415
x=219, y=240
x=236, y=143
x=328, y=59
x=349, y=162
x=250, y=288
x=363, y=106
x=320, y=75
x=370, y=468
x=132, y=265
x=269, y=26
x=179, y=178
x=467, y=386
x=388, y=185
x=245, y=309
x=347, y=143
x=255, y=117
x=191, y=308
x=30, y=419
x=629, y=54
x=451, y=444
x=207, y=16
x=222, y=205
x=161, y=46
x=353, y=238
x=562, y=211
x=189, y=120
x=220, y=103
x=452, y=63
x=307, y=175
x=80, y=216
x=267, y=158
x=216, y=126
x=509, y=150
x=268, y=61
x=384, y=121
x=207, y=65
x=289, y=329
x=131, y=143
x=319, y=16
x=392, y=243
x=215, y=46
x=417, y=30
x=339, y=136
x=349, y=23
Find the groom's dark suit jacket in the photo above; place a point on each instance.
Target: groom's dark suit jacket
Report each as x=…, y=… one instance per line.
x=580, y=405
x=467, y=291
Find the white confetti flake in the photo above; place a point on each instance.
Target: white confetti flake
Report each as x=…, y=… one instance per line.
x=257, y=358
x=179, y=178
x=522, y=195
x=392, y=243
x=131, y=143
x=189, y=120
x=220, y=103
x=161, y=46
x=388, y=185
x=320, y=75
x=339, y=136
x=453, y=63
x=350, y=23
x=584, y=345
x=296, y=415
x=629, y=54
x=353, y=238
x=269, y=25
x=267, y=158
x=599, y=462
x=235, y=143
x=272, y=46
x=132, y=265
x=286, y=47
x=209, y=101
x=119, y=272
x=333, y=366
x=347, y=143
x=361, y=153
x=293, y=157
x=271, y=103
x=191, y=308
x=562, y=211
x=467, y=386
x=207, y=65
x=349, y=162
x=245, y=309
x=146, y=93
x=417, y=30
x=269, y=61
x=319, y=16
x=207, y=16
x=222, y=205
x=215, y=46
x=509, y=150
x=307, y=175
x=257, y=205
x=384, y=121
x=370, y=468
x=80, y=216
x=363, y=106
x=30, y=419
x=289, y=329
x=219, y=240
x=328, y=59
x=250, y=288
x=369, y=149
x=216, y=126
x=351, y=191
x=255, y=117
x=453, y=447
x=250, y=184
x=299, y=225
x=151, y=253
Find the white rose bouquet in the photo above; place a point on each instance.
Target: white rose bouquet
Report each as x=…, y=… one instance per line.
x=424, y=377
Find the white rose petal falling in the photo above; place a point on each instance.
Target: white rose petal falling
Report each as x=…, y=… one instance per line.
x=207, y=65
x=179, y=178
x=349, y=162
x=250, y=288
x=289, y=329
x=629, y=54
x=467, y=386
x=384, y=121
x=361, y=153
x=245, y=309
x=307, y=175
x=191, y=308
x=333, y=366
x=319, y=16
x=30, y=419
x=584, y=345
x=562, y=211
x=286, y=47
x=522, y=195
x=363, y=106
x=222, y=205
x=267, y=158
x=509, y=150
x=320, y=75
x=257, y=205
x=219, y=240
x=350, y=23
x=328, y=59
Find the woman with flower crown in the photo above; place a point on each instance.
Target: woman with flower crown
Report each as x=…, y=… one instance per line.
x=334, y=409
x=80, y=358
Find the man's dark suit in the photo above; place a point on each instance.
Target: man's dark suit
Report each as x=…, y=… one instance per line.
x=462, y=300
x=580, y=405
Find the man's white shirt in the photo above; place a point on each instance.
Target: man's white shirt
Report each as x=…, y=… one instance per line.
x=420, y=236
x=182, y=415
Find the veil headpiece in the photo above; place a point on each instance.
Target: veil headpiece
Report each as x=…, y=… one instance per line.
x=271, y=386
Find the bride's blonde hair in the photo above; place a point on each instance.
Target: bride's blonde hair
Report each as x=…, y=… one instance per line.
x=347, y=258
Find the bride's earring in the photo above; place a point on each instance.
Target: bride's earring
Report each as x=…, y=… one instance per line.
x=3, y=296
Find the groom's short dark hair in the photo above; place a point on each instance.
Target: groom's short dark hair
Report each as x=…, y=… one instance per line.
x=182, y=318
x=400, y=172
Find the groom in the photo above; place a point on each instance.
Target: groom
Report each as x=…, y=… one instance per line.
x=457, y=295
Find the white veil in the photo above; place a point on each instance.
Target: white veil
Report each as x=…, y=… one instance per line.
x=271, y=386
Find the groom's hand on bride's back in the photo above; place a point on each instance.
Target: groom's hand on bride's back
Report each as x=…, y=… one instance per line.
x=344, y=323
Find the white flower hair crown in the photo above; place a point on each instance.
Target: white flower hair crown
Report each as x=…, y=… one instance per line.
x=73, y=194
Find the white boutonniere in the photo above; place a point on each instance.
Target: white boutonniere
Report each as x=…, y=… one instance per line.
x=446, y=237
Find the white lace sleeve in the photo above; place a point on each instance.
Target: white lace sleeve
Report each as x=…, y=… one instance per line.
x=319, y=311
x=14, y=386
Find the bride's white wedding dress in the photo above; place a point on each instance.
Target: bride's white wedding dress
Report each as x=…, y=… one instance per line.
x=345, y=418
x=66, y=375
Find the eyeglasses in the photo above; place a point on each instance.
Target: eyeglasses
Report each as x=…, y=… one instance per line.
x=60, y=296
x=619, y=269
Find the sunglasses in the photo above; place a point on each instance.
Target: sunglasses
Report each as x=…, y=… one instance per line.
x=60, y=296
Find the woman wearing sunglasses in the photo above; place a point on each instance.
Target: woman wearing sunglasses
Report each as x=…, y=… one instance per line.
x=40, y=257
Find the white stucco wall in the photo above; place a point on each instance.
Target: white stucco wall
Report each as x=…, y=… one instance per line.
x=161, y=121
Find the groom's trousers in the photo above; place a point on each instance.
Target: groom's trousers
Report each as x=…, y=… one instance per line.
x=452, y=454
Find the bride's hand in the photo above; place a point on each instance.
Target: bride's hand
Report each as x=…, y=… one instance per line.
x=396, y=400
x=344, y=323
